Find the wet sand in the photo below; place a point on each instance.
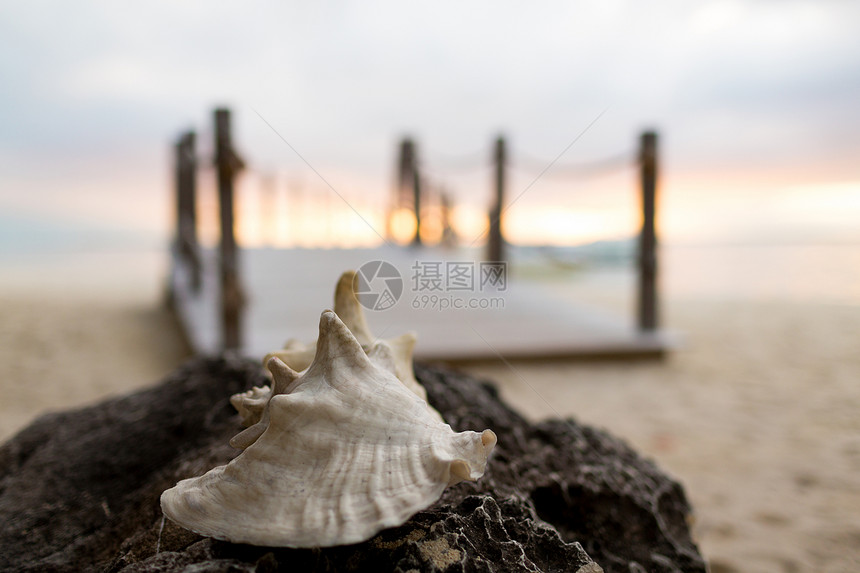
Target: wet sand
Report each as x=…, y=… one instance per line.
x=758, y=415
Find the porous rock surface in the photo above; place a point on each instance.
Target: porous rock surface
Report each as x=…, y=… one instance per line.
x=79, y=491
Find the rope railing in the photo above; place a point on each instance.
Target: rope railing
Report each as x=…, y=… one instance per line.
x=439, y=164
x=528, y=163
x=296, y=201
x=461, y=162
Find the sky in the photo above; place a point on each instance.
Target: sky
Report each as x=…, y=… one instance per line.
x=755, y=101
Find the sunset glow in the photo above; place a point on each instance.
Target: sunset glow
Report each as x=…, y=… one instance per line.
x=402, y=226
x=689, y=210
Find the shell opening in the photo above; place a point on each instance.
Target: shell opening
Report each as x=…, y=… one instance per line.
x=460, y=471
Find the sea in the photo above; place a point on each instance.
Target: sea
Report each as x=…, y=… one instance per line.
x=61, y=259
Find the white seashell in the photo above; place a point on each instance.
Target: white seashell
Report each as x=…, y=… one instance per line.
x=298, y=355
x=347, y=307
x=250, y=404
x=284, y=379
x=345, y=451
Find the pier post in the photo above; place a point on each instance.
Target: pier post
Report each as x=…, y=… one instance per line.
x=647, y=296
x=449, y=236
x=228, y=165
x=411, y=177
x=416, y=194
x=408, y=190
x=186, y=206
x=495, y=241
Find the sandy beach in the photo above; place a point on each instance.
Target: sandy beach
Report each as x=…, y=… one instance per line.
x=756, y=415
x=59, y=354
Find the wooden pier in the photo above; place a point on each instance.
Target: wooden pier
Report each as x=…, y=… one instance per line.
x=254, y=300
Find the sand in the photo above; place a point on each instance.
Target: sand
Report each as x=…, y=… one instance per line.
x=63, y=353
x=757, y=415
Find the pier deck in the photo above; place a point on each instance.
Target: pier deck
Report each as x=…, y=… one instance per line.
x=287, y=289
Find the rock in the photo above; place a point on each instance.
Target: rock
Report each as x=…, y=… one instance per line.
x=79, y=490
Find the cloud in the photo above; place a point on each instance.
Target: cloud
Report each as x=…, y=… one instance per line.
x=727, y=83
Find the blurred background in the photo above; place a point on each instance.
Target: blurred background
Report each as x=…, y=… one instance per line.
x=756, y=104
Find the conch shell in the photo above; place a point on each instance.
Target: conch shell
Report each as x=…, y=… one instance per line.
x=298, y=355
x=345, y=450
